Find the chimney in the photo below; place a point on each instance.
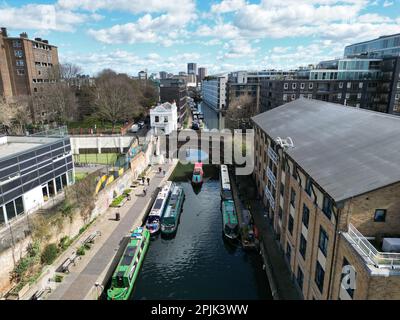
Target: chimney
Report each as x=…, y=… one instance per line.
x=46, y=41
x=38, y=39
x=4, y=32
x=24, y=35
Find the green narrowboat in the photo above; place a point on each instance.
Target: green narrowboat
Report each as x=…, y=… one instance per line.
x=170, y=219
x=230, y=220
x=127, y=271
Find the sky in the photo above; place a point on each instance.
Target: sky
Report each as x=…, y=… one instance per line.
x=221, y=35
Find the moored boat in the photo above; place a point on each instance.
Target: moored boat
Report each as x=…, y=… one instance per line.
x=153, y=222
x=170, y=219
x=127, y=271
x=226, y=193
x=230, y=220
x=197, y=177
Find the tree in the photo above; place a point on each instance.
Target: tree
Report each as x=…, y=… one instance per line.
x=15, y=115
x=239, y=112
x=116, y=97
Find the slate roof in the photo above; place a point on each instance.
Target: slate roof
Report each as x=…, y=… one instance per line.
x=348, y=151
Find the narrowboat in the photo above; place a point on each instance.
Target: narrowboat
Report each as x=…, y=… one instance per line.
x=197, y=177
x=153, y=223
x=230, y=219
x=127, y=271
x=226, y=193
x=170, y=219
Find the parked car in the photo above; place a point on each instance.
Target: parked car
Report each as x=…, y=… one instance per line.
x=135, y=128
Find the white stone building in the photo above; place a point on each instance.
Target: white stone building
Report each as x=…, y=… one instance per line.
x=164, y=118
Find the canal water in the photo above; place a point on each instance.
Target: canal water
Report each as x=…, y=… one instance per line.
x=198, y=263
x=211, y=118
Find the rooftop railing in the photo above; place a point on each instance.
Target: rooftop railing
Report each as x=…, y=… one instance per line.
x=377, y=258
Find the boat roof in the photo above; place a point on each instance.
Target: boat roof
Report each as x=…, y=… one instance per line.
x=172, y=202
x=225, y=178
x=198, y=165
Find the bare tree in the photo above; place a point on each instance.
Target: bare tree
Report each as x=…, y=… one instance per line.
x=15, y=115
x=115, y=97
x=239, y=112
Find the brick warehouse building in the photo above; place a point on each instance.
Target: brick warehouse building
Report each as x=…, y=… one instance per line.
x=333, y=197
x=24, y=64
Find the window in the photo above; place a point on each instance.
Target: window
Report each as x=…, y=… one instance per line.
x=319, y=276
x=380, y=215
x=294, y=85
x=20, y=63
x=20, y=72
x=340, y=85
x=17, y=44
x=280, y=213
x=292, y=197
x=300, y=278
x=282, y=189
x=290, y=224
x=309, y=96
x=156, y=119
x=302, y=85
x=303, y=246
x=286, y=86
x=10, y=210
x=348, y=85
x=323, y=241
x=339, y=96
x=306, y=215
x=19, y=205
x=311, y=85
x=293, y=97
x=360, y=85
x=347, y=95
x=359, y=95
x=294, y=174
x=165, y=119
x=327, y=207
x=284, y=97
x=18, y=53
x=397, y=97
x=2, y=218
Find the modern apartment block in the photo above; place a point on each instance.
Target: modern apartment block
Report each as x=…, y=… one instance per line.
x=192, y=68
x=32, y=170
x=372, y=84
x=175, y=90
x=214, y=91
x=332, y=196
x=367, y=77
x=386, y=46
x=24, y=64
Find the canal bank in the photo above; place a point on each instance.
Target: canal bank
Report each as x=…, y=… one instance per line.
x=97, y=266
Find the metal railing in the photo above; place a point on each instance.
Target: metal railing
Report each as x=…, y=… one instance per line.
x=377, y=258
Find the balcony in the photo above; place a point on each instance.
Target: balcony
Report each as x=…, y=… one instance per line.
x=270, y=197
x=272, y=155
x=271, y=177
x=381, y=260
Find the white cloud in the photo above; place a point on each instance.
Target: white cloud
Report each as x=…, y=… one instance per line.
x=239, y=48
x=227, y=6
x=42, y=17
x=388, y=3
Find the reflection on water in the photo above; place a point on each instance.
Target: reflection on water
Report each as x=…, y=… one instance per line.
x=198, y=263
x=210, y=116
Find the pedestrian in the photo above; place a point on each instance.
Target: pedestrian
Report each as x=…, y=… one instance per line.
x=163, y=173
x=143, y=180
x=159, y=169
x=148, y=181
x=144, y=192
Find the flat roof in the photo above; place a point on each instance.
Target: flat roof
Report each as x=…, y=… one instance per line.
x=347, y=151
x=379, y=38
x=15, y=145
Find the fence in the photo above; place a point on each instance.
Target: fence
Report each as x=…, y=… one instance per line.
x=377, y=258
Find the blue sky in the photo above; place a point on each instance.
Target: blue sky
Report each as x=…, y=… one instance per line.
x=222, y=35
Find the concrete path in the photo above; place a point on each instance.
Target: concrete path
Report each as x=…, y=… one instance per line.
x=80, y=283
x=282, y=279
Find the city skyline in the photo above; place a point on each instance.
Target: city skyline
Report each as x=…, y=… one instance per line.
x=222, y=36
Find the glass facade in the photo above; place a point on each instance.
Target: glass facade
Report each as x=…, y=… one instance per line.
x=25, y=171
x=378, y=48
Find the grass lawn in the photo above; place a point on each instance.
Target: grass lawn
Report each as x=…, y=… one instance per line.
x=89, y=123
x=96, y=158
